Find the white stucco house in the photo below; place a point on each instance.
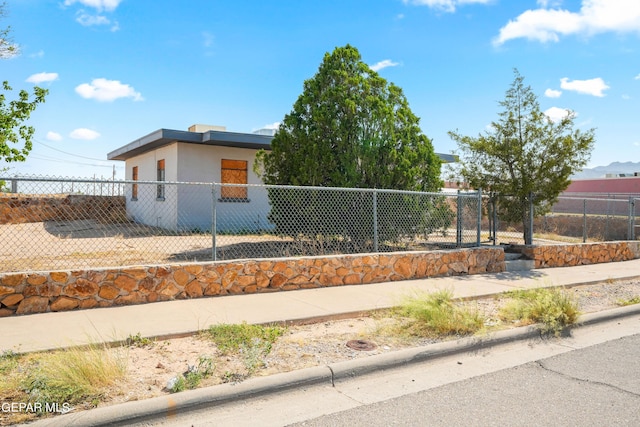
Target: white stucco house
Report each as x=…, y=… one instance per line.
x=204, y=154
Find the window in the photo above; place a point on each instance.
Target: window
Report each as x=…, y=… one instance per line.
x=134, y=187
x=234, y=172
x=160, y=177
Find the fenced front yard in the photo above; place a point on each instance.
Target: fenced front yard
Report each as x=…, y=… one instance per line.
x=49, y=224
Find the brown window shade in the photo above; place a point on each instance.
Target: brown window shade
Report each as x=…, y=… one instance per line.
x=234, y=172
x=161, y=164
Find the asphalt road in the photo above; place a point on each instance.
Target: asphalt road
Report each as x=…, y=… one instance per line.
x=596, y=386
x=591, y=378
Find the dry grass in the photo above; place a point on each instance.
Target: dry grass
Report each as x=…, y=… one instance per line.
x=76, y=376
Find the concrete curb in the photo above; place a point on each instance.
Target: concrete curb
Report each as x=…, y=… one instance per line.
x=171, y=405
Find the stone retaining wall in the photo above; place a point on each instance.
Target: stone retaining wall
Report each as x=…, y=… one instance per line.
x=19, y=209
x=25, y=293
x=570, y=255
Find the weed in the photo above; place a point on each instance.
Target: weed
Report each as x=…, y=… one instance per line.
x=554, y=309
x=74, y=375
x=436, y=314
x=231, y=377
x=138, y=340
x=8, y=361
x=194, y=375
x=231, y=338
x=179, y=385
x=630, y=301
x=253, y=355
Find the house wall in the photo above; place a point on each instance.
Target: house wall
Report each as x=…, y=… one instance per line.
x=147, y=209
x=202, y=163
x=189, y=206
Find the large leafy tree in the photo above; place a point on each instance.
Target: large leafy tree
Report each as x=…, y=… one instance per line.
x=351, y=128
x=525, y=158
x=14, y=114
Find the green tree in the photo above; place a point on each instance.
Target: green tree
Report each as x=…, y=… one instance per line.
x=8, y=49
x=13, y=130
x=348, y=128
x=14, y=113
x=525, y=156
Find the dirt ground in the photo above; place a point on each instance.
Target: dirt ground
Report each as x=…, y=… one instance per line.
x=322, y=343
x=151, y=366
x=55, y=245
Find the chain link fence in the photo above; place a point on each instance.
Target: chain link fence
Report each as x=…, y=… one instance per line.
x=591, y=217
x=56, y=223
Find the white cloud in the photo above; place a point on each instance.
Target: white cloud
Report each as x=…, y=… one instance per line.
x=552, y=93
x=38, y=54
x=549, y=3
x=444, y=5
x=274, y=125
x=42, y=77
x=637, y=77
x=87, y=20
x=595, y=16
x=107, y=90
x=593, y=87
x=383, y=64
x=84, y=134
x=626, y=97
x=556, y=113
x=53, y=136
x=108, y=5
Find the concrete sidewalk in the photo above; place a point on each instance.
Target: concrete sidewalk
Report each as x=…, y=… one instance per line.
x=179, y=318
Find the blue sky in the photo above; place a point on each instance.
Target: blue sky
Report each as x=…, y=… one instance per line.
x=117, y=70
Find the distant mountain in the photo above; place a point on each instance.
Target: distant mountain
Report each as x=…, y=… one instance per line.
x=614, y=168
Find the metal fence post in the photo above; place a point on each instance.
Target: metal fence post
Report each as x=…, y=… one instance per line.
x=530, y=219
x=494, y=204
x=633, y=225
x=375, y=220
x=14, y=186
x=584, y=220
x=479, y=217
x=459, y=221
x=631, y=218
x=214, y=251
x=606, y=224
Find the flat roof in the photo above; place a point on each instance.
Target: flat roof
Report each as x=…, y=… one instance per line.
x=163, y=137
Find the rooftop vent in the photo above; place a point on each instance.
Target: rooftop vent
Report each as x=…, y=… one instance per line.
x=205, y=128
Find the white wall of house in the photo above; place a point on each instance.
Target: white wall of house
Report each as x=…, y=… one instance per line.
x=148, y=209
x=189, y=207
x=203, y=163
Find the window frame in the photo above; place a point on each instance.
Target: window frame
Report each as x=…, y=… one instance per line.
x=234, y=194
x=134, y=187
x=161, y=177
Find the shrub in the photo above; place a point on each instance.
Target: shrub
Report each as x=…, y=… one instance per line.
x=554, y=309
x=437, y=314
